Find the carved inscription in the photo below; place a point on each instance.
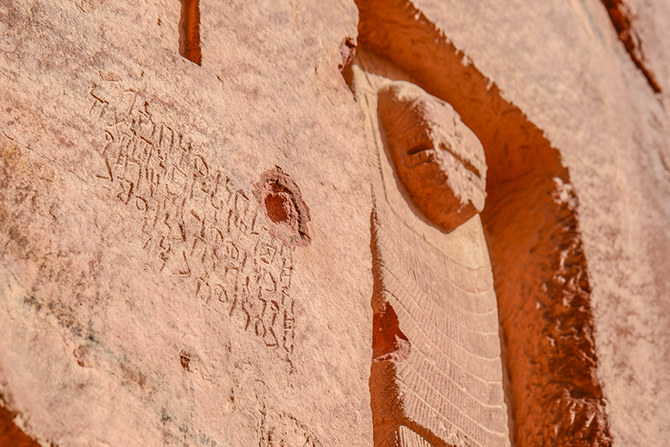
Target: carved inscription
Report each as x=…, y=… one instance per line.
x=283, y=430
x=193, y=221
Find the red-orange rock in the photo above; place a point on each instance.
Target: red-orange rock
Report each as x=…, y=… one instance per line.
x=213, y=231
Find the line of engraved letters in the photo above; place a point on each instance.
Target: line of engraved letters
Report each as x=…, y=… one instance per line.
x=194, y=222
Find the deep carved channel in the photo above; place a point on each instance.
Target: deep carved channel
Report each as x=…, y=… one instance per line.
x=189, y=31
x=531, y=225
x=622, y=20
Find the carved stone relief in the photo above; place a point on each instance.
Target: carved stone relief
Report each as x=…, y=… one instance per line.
x=436, y=157
x=436, y=375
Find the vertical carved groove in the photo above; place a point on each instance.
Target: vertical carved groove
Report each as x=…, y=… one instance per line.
x=189, y=31
x=531, y=224
x=622, y=20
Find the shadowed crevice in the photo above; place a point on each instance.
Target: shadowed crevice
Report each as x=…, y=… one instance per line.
x=10, y=434
x=189, y=31
x=622, y=19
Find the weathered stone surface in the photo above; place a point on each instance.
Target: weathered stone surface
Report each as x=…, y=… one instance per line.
x=593, y=104
x=206, y=239
x=148, y=296
x=436, y=157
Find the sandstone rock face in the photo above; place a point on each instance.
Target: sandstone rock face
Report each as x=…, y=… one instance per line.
x=389, y=223
x=172, y=273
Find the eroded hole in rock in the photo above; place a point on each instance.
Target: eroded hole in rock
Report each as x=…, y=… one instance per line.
x=278, y=204
x=532, y=232
x=622, y=19
x=282, y=201
x=185, y=360
x=189, y=31
x=10, y=434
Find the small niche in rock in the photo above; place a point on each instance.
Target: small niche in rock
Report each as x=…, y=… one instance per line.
x=281, y=199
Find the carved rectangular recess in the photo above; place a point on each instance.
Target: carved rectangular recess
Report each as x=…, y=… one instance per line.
x=531, y=225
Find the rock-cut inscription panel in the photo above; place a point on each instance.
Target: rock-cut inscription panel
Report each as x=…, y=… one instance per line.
x=194, y=222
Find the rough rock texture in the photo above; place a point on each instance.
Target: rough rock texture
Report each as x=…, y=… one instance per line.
x=207, y=239
x=148, y=296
